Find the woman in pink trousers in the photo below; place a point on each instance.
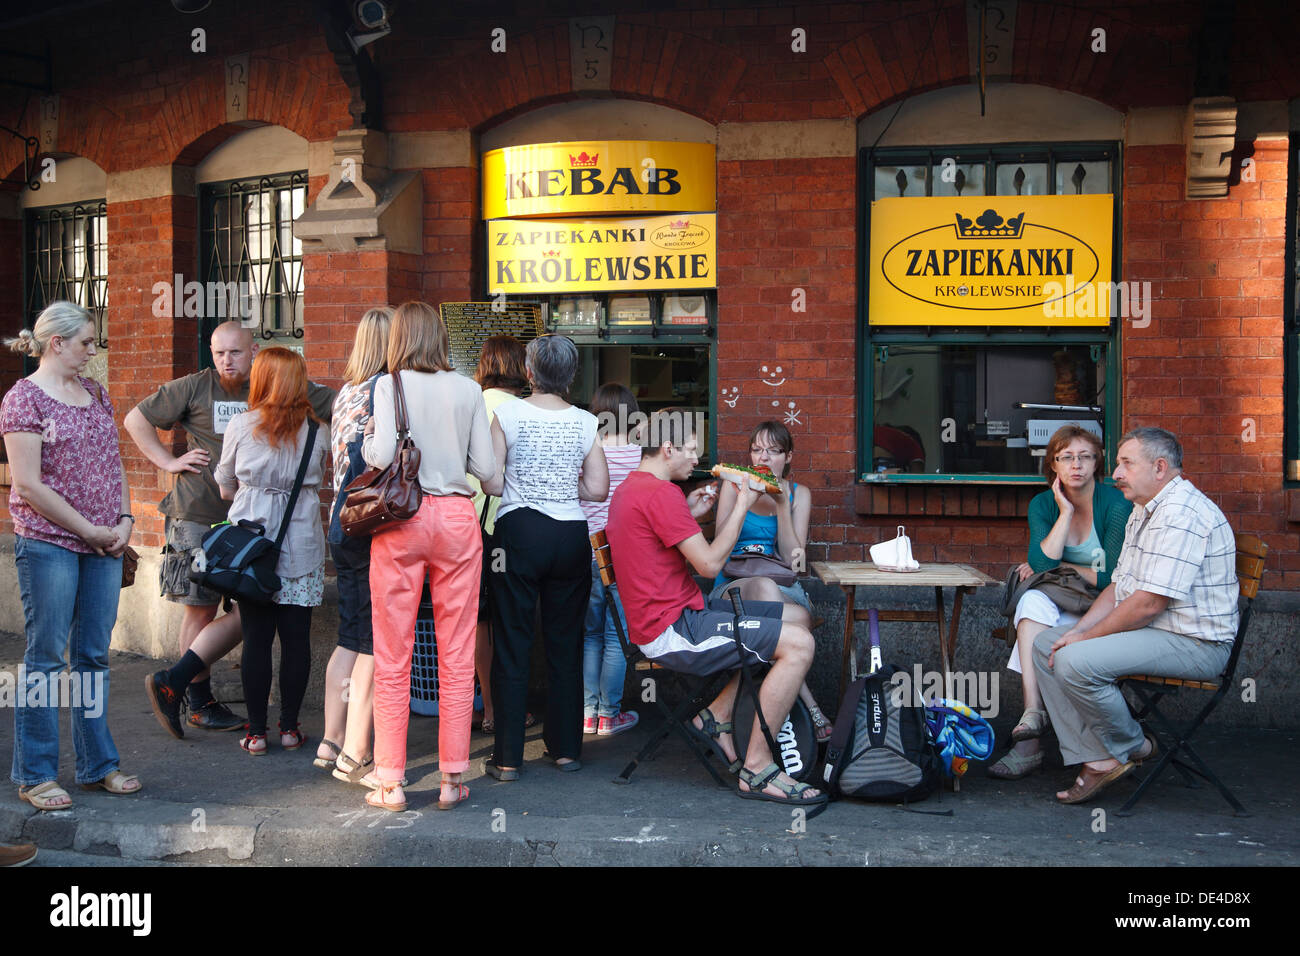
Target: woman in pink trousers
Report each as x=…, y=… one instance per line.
x=448, y=424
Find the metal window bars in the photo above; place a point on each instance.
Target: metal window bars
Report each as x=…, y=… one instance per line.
x=247, y=245
x=67, y=259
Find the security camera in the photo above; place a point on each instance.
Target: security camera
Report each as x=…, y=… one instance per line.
x=369, y=22
x=370, y=14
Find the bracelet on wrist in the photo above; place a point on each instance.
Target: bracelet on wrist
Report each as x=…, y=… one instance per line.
x=125, y=515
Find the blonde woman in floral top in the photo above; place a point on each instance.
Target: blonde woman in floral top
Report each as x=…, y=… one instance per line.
x=70, y=506
x=350, y=674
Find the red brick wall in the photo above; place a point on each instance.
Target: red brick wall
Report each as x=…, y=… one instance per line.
x=1209, y=366
x=150, y=241
x=787, y=225
x=1211, y=356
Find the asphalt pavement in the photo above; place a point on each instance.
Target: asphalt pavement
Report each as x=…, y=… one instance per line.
x=206, y=802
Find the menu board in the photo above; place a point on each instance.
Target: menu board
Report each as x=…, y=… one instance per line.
x=470, y=324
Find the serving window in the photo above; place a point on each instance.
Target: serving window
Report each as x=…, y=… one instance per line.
x=975, y=342
x=658, y=344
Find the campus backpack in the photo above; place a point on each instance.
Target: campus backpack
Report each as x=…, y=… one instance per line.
x=881, y=748
x=238, y=560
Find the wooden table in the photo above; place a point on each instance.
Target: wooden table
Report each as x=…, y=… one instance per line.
x=851, y=574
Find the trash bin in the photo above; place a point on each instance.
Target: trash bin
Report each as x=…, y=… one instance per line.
x=424, y=664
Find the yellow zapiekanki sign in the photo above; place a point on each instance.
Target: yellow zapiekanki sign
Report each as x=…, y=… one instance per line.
x=667, y=252
x=621, y=176
x=991, y=260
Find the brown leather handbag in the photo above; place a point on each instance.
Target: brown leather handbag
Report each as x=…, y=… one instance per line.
x=380, y=498
x=130, y=561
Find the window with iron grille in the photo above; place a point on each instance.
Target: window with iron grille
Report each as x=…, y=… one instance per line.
x=67, y=259
x=248, y=254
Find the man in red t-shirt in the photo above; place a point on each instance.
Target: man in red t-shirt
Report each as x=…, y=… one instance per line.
x=652, y=535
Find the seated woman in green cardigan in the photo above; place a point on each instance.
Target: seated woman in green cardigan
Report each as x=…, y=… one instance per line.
x=1078, y=523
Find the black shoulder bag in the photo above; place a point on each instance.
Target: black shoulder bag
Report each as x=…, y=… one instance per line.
x=238, y=560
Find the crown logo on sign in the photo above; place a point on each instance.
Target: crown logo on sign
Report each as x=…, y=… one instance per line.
x=582, y=159
x=680, y=224
x=552, y=253
x=989, y=225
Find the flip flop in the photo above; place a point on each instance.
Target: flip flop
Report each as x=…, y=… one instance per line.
x=1090, y=784
x=462, y=794
x=708, y=735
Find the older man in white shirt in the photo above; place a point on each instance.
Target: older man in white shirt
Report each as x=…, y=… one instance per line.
x=1170, y=611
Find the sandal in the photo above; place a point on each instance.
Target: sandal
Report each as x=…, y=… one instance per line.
x=383, y=790
x=769, y=776
x=1090, y=783
x=500, y=773
x=462, y=794
x=821, y=726
x=1031, y=725
x=708, y=735
x=254, y=744
x=349, y=771
x=42, y=795
x=1013, y=766
x=327, y=763
x=116, y=782
x=295, y=737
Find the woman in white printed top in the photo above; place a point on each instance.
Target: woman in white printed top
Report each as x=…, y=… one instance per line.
x=542, y=444
x=604, y=667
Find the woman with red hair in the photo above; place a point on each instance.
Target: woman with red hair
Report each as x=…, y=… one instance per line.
x=260, y=456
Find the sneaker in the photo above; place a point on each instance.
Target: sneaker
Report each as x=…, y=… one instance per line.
x=589, y=724
x=215, y=715
x=616, y=725
x=166, y=703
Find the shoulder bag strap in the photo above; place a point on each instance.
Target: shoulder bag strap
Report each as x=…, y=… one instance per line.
x=297, y=482
x=399, y=408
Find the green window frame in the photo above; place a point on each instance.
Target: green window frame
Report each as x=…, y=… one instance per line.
x=1047, y=163
x=1291, y=323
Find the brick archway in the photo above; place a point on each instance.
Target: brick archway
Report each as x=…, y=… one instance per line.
x=653, y=64
x=1052, y=46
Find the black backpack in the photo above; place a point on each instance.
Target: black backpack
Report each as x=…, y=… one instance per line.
x=881, y=748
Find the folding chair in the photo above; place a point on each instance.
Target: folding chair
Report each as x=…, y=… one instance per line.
x=1251, y=552
x=693, y=693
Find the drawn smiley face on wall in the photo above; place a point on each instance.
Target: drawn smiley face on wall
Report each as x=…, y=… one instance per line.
x=772, y=373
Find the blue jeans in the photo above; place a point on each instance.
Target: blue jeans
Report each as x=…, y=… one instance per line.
x=69, y=602
x=603, y=664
